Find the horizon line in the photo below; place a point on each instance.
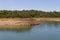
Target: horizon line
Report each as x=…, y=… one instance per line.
x=30, y=9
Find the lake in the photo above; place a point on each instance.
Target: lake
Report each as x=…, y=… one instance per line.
x=43, y=31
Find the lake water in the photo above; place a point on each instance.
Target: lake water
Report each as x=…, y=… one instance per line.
x=43, y=31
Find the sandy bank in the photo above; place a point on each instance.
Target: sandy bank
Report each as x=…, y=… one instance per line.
x=25, y=21
x=17, y=21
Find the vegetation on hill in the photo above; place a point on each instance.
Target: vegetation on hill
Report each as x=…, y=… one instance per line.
x=28, y=14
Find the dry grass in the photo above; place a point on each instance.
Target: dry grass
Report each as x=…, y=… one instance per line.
x=47, y=19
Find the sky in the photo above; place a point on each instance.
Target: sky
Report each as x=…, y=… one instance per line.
x=44, y=5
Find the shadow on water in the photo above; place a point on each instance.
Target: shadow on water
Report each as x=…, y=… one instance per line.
x=55, y=24
x=16, y=28
x=52, y=23
x=48, y=27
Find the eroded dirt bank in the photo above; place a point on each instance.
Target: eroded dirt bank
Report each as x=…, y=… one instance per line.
x=17, y=21
x=25, y=21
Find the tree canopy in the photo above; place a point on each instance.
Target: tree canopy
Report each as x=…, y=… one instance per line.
x=28, y=14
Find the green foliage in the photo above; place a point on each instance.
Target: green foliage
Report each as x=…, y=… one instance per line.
x=27, y=14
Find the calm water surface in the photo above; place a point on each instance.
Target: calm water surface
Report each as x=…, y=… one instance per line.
x=44, y=31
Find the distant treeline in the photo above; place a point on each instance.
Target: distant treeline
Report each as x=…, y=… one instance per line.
x=28, y=14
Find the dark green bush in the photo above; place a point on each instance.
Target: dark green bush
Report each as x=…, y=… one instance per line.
x=27, y=14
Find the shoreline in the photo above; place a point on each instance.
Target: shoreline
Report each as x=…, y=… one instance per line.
x=17, y=23
x=25, y=21
x=47, y=19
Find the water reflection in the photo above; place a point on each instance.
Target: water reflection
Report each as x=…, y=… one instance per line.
x=44, y=31
x=44, y=26
x=16, y=28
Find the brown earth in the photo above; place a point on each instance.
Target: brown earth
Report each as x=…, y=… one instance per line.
x=17, y=21
x=25, y=21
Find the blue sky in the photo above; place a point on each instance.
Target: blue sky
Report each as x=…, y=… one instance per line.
x=45, y=5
